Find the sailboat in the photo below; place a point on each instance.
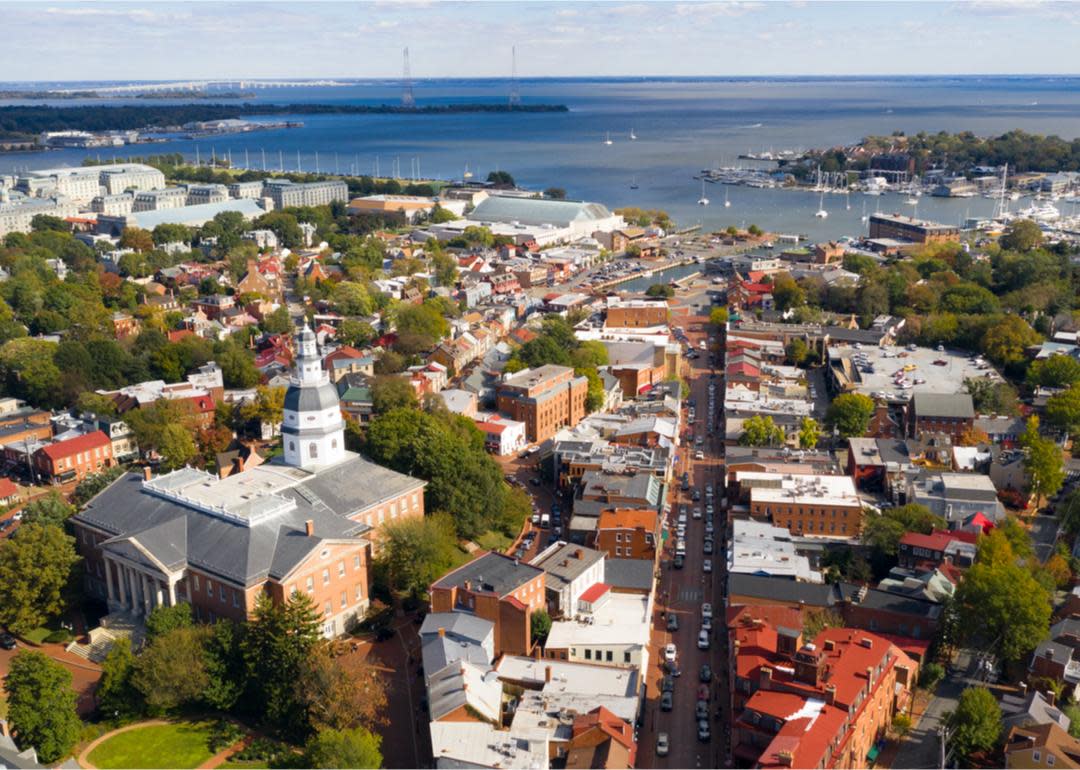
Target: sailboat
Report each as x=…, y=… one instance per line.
x=821, y=213
x=727, y=203
x=467, y=174
x=847, y=200
x=864, y=217
x=607, y=138
x=633, y=183
x=703, y=201
x=633, y=136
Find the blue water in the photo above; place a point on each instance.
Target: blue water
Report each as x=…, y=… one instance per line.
x=683, y=125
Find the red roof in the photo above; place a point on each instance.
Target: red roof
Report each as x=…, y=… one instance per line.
x=180, y=334
x=980, y=521
x=757, y=276
x=491, y=427
x=594, y=592
x=71, y=446
x=7, y=488
x=743, y=368
x=758, y=288
x=935, y=541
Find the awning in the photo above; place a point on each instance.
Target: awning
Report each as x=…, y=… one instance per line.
x=873, y=753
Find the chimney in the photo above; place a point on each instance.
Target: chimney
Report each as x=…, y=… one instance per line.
x=442, y=631
x=830, y=694
x=765, y=678
x=547, y=674
x=309, y=527
x=1050, y=697
x=869, y=673
x=579, y=554
x=147, y=473
x=467, y=585
x=829, y=645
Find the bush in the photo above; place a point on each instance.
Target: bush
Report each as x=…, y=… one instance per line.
x=59, y=636
x=224, y=735
x=931, y=675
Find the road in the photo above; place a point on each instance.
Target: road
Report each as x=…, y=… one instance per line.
x=682, y=591
x=922, y=746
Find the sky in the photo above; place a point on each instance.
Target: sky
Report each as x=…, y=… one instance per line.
x=163, y=40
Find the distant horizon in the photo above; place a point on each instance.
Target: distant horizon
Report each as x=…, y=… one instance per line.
x=107, y=40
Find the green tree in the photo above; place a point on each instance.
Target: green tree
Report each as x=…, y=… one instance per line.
x=1043, y=462
x=850, y=413
x=1063, y=409
x=352, y=299
x=238, y=368
x=1022, y=235
x=541, y=626
x=392, y=392
x=338, y=696
x=718, y=317
x=1006, y=340
x=49, y=223
x=176, y=446
x=171, y=233
x=500, y=178
x=1000, y=601
x=90, y=402
x=277, y=322
x=35, y=568
x=1057, y=371
x=171, y=671
x=760, y=430
x=416, y=551
x=356, y=333
x=809, y=433
x=993, y=397
x=445, y=269
x=439, y=215
x=116, y=695
x=226, y=672
x=786, y=292
x=976, y=722
x=278, y=640
x=755, y=231
x=883, y=531
x=135, y=238
x=660, y=290
x=41, y=705
x=555, y=193
x=796, y=351
x=163, y=619
x=50, y=509
x=352, y=748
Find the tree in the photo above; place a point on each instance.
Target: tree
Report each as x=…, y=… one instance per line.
x=1000, y=601
x=279, y=639
x=277, y=322
x=116, y=696
x=1057, y=371
x=352, y=299
x=35, y=568
x=1063, y=409
x=796, y=351
x=718, y=317
x=417, y=550
x=786, y=292
x=976, y=722
x=439, y=215
x=135, y=238
x=541, y=626
x=225, y=667
x=992, y=397
x=755, y=231
x=555, y=193
x=41, y=705
x=162, y=620
x=238, y=368
x=355, y=333
x=931, y=675
x=50, y=509
x=392, y=392
x=500, y=178
x=171, y=671
x=1043, y=462
x=816, y=621
x=1022, y=235
x=337, y=697
x=809, y=433
x=660, y=290
x=352, y=748
x=850, y=413
x=47, y=222
x=883, y=531
x=445, y=268
x=973, y=437
x=760, y=430
x=90, y=402
x=1006, y=340
x=176, y=446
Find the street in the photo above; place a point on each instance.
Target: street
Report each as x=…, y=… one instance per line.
x=682, y=591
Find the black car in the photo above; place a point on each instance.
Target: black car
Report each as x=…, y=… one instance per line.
x=679, y=561
x=7, y=641
x=706, y=673
x=667, y=684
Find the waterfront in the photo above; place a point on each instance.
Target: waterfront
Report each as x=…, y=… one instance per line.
x=682, y=125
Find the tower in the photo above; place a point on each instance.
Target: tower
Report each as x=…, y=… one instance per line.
x=407, y=99
x=312, y=428
x=515, y=95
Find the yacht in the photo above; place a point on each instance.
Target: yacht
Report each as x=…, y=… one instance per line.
x=607, y=138
x=703, y=201
x=821, y=213
x=633, y=136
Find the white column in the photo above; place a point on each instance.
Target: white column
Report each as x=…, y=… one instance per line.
x=147, y=597
x=173, y=601
x=109, y=579
x=159, y=593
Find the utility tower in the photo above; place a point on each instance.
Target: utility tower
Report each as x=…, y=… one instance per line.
x=407, y=99
x=515, y=95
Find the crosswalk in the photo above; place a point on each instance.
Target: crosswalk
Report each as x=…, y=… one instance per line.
x=691, y=595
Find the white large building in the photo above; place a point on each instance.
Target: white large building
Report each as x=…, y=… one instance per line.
x=581, y=219
x=84, y=183
x=165, y=198
x=16, y=213
x=285, y=193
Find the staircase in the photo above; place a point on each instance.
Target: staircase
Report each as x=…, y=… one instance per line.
x=113, y=627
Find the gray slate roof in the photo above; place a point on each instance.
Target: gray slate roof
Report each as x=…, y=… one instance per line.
x=782, y=589
x=944, y=405
x=494, y=572
x=438, y=652
x=567, y=563
x=458, y=624
x=629, y=574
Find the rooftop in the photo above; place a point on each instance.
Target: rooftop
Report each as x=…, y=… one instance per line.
x=537, y=211
x=492, y=572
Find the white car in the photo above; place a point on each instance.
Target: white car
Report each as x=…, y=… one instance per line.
x=699, y=455
x=706, y=566
x=663, y=744
x=706, y=610
x=703, y=639
x=670, y=653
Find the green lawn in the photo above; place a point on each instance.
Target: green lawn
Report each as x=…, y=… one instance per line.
x=180, y=745
x=493, y=540
x=37, y=636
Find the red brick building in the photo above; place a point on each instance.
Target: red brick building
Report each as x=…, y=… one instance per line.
x=628, y=534
x=545, y=399
x=75, y=458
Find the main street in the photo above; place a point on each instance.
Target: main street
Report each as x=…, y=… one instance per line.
x=682, y=591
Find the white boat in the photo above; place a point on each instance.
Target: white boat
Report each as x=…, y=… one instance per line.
x=1046, y=212
x=821, y=213
x=607, y=138
x=912, y=201
x=847, y=200
x=703, y=201
x=467, y=174
x=727, y=203
x=633, y=136
x=864, y=217
x=633, y=183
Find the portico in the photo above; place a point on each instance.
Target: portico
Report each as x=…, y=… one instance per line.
x=137, y=583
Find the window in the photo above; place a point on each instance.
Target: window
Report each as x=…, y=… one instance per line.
x=618, y=551
x=344, y=598
x=1036, y=755
x=235, y=598
x=341, y=568
x=333, y=443
x=313, y=450
x=609, y=656
x=626, y=657
x=618, y=537
x=588, y=654
x=325, y=576
x=209, y=587
x=356, y=562
x=196, y=579
x=359, y=593
x=327, y=608
x=292, y=446
x=310, y=584
x=1051, y=759
x=221, y=592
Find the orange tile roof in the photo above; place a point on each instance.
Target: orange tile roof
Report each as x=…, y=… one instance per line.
x=71, y=446
x=627, y=518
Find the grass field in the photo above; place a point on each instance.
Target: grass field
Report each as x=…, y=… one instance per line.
x=179, y=745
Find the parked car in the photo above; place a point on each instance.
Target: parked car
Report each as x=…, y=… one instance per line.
x=706, y=624
x=667, y=701
x=667, y=684
x=679, y=561
x=662, y=745
x=708, y=546
x=701, y=710
x=703, y=733
x=706, y=566
x=670, y=652
x=672, y=622
x=705, y=675
x=706, y=610
x=703, y=639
